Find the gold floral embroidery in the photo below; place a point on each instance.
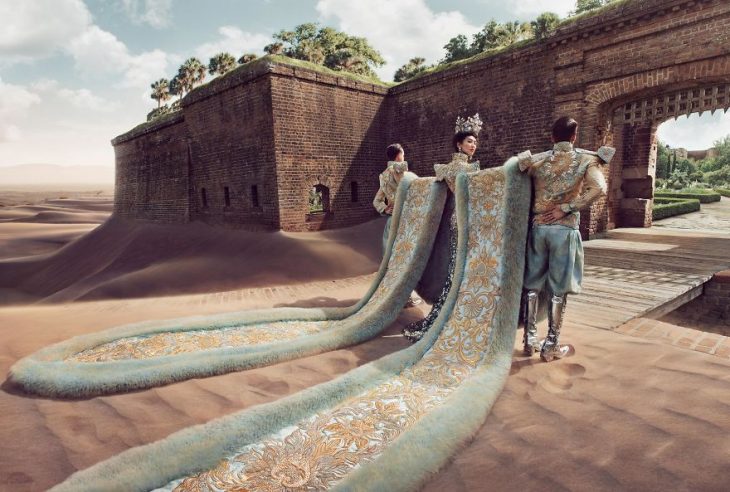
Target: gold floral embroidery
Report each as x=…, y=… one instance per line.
x=321, y=450
x=172, y=343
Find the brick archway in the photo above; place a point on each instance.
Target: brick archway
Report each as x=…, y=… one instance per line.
x=626, y=112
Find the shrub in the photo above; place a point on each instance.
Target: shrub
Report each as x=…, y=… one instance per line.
x=719, y=177
x=704, y=196
x=669, y=207
x=158, y=112
x=723, y=191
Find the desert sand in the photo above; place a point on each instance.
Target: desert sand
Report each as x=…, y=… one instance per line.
x=623, y=413
x=64, y=250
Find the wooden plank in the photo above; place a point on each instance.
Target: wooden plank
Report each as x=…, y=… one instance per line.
x=632, y=273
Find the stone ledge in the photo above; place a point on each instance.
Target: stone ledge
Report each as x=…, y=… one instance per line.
x=722, y=277
x=150, y=126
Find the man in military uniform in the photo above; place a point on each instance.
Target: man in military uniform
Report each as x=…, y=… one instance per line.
x=565, y=179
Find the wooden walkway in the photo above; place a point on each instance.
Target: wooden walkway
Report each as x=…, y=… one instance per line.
x=633, y=273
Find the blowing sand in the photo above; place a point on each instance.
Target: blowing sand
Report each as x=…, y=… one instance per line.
x=622, y=414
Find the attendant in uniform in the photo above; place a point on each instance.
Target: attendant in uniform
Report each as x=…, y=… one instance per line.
x=566, y=180
x=385, y=197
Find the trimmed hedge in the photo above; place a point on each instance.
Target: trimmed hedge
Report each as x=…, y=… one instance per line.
x=668, y=207
x=708, y=197
x=663, y=200
x=723, y=191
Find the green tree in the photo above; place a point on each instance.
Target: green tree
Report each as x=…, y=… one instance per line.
x=723, y=152
x=716, y=170
x=160, y=91
x=662, y=161
x=246, y=58
x=545, y=24
x=457, y=49
x=410, y=69
x=493, y=35
x=486, y=39
x=586, y=5
x=327, y=46
x=718, y=178
x=221, y=63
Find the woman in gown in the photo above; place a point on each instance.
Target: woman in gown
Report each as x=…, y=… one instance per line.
x=465, y=144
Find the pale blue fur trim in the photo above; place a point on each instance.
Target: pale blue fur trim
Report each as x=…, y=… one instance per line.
x=46, y=373
x=409, y=460
x=425, y=448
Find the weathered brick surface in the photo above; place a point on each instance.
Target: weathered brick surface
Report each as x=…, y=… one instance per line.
x=152, y=175
x=711, y=310
x=285, y=129
x=232, y=146
x=327, y=135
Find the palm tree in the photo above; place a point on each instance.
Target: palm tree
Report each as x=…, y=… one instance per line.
x=410, y=69
x=512, y=32
x=191, y=73
x=311, y=51
x=176, y=88
x=221, y=63
x=544, y=25
x=248, y=57
x=160, y=91
x=274, y=48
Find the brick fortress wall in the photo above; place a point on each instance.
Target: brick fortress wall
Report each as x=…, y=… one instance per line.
x=151, y=180
x=289, y=128
x=330, y=132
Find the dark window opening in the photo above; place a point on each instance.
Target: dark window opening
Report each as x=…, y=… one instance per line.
x=227, y=196
x=204, y=197
x=319, y=199
x=353, y=192
x=255, y=196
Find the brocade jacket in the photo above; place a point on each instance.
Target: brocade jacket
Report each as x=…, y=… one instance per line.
x=389, y=180
x=565, y=177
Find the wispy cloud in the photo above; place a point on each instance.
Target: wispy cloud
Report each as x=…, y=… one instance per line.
x=83, y=99
x=398, y=29
x=528, y=9
x=99, y=53
x=695, y=132
x=234, y=41
x=154, y=13
x=15, y=102
x=34, y=29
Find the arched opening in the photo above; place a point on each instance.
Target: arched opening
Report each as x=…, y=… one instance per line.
x=319, y=199
x=633, y=131
x=353, y=192
x=692, y=153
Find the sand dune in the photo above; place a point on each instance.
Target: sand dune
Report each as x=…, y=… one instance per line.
x=120, y=259
x=622, y=414
x=60, y=437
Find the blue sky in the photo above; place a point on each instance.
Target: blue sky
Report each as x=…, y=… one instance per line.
x=75, y=73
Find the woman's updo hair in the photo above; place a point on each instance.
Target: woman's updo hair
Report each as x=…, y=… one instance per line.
x=460, y=136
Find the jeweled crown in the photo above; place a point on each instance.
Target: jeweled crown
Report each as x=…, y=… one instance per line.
x=470, y=124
